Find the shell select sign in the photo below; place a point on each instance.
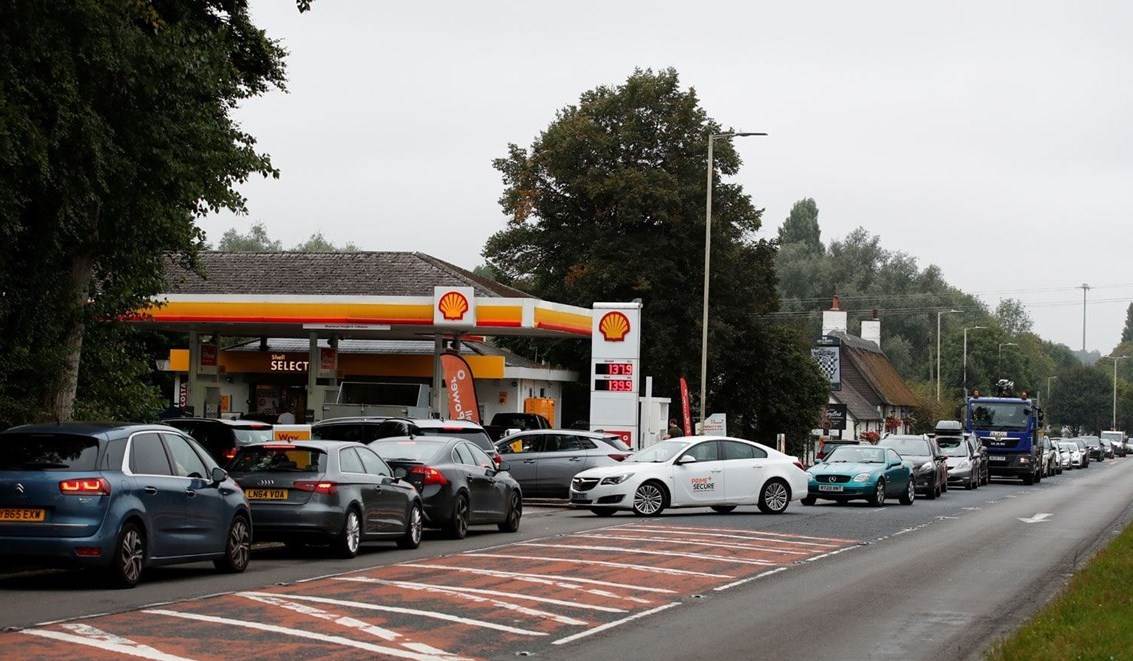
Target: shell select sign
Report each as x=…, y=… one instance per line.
x=614, y=326
x=453, y=306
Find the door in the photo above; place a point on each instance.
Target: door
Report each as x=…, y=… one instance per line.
x=481, y=482
x=563, y=457
x=206, y=521
x=162, y=495
x=701, y=481
x=897, y=476
x=393, y=503
x=521, y=453
x=744, y=471
x=496, y=490
x=369, y=491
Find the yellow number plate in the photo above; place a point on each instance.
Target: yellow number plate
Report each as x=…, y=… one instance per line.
x=265, y=494
x=13, y=514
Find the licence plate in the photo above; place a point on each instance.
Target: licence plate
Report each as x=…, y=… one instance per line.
x=996, y=457
x=830, y=487
x=265, y=494
x=23, y=515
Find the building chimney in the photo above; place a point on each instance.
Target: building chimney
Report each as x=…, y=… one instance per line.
x=871, y=329
x=834, y=319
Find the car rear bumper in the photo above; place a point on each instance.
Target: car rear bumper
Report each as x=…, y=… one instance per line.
x=278, y=522
x=59, y=551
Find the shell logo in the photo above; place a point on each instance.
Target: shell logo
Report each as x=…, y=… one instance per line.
x=614, y=326
x=453, y=306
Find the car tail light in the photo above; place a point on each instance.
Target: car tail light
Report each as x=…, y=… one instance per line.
x=497, y=459
x=618, y=456
x=315, y=486
x=230, y=454
x=85, y=486
x=429, y=475
x=88, y=551
x=800, y=465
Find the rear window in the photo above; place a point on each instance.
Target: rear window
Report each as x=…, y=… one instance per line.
x=423, y=451
x=477, y=436
x=617, y=443
x=250, y=436
x=267, y=459
x=48, y=452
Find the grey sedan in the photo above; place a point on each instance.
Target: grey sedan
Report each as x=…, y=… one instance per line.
x=544, y=461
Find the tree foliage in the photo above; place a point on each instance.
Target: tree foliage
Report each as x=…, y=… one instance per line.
x=1127, y=332
x=1082, y=399
x=116, y=135
x=801, y=227
x=608, y=204
x=257, y=239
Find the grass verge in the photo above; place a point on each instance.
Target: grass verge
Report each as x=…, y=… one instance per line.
x=1092, y=618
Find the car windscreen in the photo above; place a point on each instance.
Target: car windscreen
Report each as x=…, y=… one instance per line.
x=279, y=459
x=477, y=436
x=663, y=451
x=522, y=421
x=1000, y=415
x=416, y=450
x=617, y=443
x=908, y=446
x=252, y=435
x=29, y=451
x=953, y=446
x=856, y=455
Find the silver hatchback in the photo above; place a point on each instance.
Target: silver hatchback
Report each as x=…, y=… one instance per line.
x=544, y=461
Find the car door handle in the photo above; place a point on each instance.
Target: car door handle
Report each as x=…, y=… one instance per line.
x=576, y=458
x=190, y=493
x=150, y=491
x=528, y=461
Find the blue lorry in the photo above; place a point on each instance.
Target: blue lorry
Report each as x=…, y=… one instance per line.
x=1010, y=427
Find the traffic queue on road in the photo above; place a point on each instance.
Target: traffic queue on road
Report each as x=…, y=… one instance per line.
x=124, y=497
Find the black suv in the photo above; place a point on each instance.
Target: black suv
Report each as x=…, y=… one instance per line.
x=222, y=438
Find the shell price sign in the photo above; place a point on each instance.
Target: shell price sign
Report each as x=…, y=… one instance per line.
x=454, y=307
x=615, y=369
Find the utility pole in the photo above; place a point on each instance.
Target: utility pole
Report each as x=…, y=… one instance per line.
x=1085, y=288
x=1116, y=360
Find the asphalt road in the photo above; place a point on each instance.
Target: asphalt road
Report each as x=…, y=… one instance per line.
x=939, y=579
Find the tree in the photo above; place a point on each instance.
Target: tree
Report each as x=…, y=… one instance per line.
x=117, y=135
x=255, y=240
x=608, y=204
x=1127, y=332
x=1012, y=317
x=317, y=243
x=801, y=227
x=1082, y=399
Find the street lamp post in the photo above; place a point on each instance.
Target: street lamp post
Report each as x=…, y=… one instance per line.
x=1116, y=360
x=1049, y=379
x=939, y=313
x=999, y=355
x=707, y=259
x=969, y=328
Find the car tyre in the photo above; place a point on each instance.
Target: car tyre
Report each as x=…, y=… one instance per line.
x=237, y=547
x=649, y=499
x=348, y=540
x=603, y=511
x=1029, y=479
x=415, y=524
x=809, y=500
x=910, y=494
x=972, y=483
x=514, y=514
x=461, y=517
x=877, y=499
x=723, y=509
x=932, y=492
x=774, y=497
x=129, y=558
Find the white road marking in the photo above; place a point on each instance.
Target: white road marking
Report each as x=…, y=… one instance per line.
x=544, y=579
x=84, y=634
x=681, y=531
x=600, y=563
x=1038, y=518
x=970, y=509
x=348, y=622
x=749, y=579
x=682, y=540
x=410, y=611
x=670, y=554
x=826, y=540
x=479, y=596
x=611, y=625
x=299, y=633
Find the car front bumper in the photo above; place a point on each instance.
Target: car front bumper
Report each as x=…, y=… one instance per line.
x=959, y=476
x=614, y=496
x=847, y=490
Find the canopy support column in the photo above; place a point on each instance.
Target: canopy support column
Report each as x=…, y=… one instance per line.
x=314, y=401
x=438, y=382
x=193, y=388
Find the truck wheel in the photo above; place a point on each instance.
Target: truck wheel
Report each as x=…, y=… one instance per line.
x=1029, y=479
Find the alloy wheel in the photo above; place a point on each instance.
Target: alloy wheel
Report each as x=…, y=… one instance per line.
x=353, y=531
x=460, y=517
x=648, y=499
x=415, y=525
x=775, y=495
x=239, y=545
x=880, y=493
x=131, y=555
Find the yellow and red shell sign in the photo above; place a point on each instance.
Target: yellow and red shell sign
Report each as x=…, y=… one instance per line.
x=614, y=326
x=453, y=306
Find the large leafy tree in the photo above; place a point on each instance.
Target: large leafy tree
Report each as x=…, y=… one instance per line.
x=1127, y=332
x=801, y=227
x=1082, y=399
x=116, y=134
x=608, y=204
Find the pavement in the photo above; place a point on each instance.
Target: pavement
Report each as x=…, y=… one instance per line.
x=939, y=579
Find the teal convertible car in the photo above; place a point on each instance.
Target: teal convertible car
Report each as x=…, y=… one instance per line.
x=861, y=471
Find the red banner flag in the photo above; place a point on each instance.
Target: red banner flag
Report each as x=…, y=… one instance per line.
x=684, y=408
x=461, y=387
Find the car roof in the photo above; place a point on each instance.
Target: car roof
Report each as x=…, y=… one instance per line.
x=352, y=419
x=322, y=445
x=88, y=428
x=239, y=424
x=435, y=423
x=568, y=432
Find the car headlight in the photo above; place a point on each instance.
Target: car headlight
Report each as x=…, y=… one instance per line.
x=1024, y=460
x=861, y=477
x=927, y=467
x=615, y=479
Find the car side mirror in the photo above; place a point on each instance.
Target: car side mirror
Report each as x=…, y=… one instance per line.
x=505, y=466
x=218, y=474
x=687, y=459
x=894, y=464
x=400, y=473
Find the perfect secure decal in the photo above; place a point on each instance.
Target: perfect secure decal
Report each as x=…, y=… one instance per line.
x=614, y=326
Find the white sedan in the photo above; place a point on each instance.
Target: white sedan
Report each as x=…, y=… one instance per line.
x=697, y=471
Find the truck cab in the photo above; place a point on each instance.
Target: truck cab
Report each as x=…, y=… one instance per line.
x=1009, y=427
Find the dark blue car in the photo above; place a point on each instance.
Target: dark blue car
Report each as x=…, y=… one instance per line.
x=119, y=498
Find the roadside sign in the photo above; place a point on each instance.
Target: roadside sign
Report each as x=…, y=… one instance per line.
x=291, y=433
x=716, y=425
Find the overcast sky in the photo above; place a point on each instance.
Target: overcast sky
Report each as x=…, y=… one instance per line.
x=993, y=139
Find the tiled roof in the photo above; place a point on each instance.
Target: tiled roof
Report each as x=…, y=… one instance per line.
x=858, y=406
x=869, y=363
x=329, y=273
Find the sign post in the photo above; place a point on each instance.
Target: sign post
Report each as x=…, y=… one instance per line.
x=615, y=366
